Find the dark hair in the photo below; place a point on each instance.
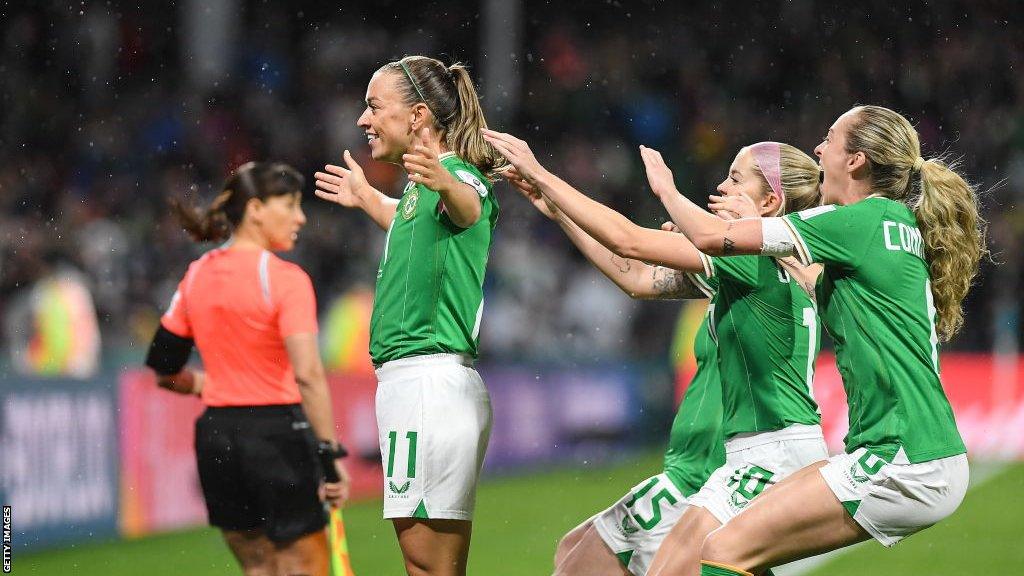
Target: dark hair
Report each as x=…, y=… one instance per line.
x=448, y=93
x=259, y=180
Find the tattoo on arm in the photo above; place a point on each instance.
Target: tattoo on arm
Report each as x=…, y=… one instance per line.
x=669, y=284
x=728, y=246
x=623, y=264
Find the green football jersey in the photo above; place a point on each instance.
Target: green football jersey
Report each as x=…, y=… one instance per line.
x=766, y=328
x=429, y=296
x=695, y=445
x=876, y=302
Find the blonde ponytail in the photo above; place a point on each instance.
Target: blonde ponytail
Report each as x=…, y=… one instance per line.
x=945, y=205
x=463, y=134
x=954, y=239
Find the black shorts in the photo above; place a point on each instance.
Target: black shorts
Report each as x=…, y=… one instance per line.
x=259, y=470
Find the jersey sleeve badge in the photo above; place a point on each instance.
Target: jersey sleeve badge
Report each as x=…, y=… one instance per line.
x=472, y=180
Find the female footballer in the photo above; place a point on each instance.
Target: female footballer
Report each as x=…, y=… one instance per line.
x=762, y=318
x=433, y=411
x=900, y=239
x=268, y=424
x=623, y=538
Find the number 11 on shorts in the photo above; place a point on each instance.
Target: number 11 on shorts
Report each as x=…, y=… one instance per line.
x=411, y=459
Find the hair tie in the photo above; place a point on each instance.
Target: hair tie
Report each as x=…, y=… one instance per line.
x=918, y=164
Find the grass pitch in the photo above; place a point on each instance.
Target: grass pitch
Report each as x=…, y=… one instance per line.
x=519, y=521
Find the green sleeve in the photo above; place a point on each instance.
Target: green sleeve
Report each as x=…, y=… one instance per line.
x=737, y=270
x=468, y=175
x=705, y=281
x=837, y=235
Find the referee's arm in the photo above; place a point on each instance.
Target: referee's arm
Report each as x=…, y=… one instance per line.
x=167, y=356
x=304, y=354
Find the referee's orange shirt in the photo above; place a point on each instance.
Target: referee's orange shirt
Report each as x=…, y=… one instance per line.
x=239, y=305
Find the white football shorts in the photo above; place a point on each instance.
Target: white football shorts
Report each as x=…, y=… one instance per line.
x=892, y=501
x=634, y=527
x=755, y=462
x=433, y=421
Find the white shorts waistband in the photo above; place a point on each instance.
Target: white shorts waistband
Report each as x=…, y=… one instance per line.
x=394, y=368
x=792, y=432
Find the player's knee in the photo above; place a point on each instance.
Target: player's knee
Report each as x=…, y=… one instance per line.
x=565, y=545
x=414, y=567
x=721, y=546
x=423, y=563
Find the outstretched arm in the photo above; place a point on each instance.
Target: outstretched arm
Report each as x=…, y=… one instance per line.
x=637, y=279
x=708, y=233
x=605, y=225
x=348, y=187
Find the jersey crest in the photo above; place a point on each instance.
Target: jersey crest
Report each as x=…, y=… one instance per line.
x=411, y=200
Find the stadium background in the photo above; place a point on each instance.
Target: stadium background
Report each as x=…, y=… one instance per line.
x=107, y=109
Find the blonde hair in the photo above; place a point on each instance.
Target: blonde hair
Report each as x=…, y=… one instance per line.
x=448, y=92
x=945, y=205
x=801, y=183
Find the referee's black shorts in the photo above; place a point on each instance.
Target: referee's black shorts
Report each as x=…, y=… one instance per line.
x=259, y=470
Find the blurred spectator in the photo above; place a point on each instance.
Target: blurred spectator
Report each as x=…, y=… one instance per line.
x=98, y=126
x=51, y=326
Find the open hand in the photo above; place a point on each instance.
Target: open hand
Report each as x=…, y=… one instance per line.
x=658, y=174
x=517, y=152
x=733, y=206
x=424, y=165
x=344, y=186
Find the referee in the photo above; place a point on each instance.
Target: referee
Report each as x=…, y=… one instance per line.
x=267, y=432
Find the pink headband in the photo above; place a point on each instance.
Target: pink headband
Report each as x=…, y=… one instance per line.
x=768, y=156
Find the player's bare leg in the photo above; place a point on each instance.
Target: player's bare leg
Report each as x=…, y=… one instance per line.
x=253, y=550
x=582, y=552
x=434, y=547
x=796, y=518
x=308, y=555
x=680, y=550
x=569, y=541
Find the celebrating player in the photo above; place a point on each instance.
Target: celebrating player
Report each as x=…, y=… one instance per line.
x=625, y=536
x=900, y=239
x=762, y=318
x=433, y=411
x=253, y=318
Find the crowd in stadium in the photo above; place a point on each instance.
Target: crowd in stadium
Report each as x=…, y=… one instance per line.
x=103, y=118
